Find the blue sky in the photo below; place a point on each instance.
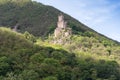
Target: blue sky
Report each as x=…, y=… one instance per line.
x=101, y=15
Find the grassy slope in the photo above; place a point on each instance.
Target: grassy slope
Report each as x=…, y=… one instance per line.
x=12, y=41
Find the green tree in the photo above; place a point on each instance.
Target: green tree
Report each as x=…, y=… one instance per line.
x=29, y=36
x=30, y=75
x=37, y=58
x=4, y=65
x=12, y=76
x=50, y=78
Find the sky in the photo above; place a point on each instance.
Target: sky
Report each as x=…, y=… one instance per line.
x=102, y=16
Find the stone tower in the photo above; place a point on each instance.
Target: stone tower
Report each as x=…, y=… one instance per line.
x=62, y=32
x=61, y=23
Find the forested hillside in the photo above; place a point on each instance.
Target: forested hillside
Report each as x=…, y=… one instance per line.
x=34, y=17
x=21, y=59
x=27, y=52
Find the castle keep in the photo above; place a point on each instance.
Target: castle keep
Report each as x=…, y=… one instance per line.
x=62, y=32
x=61, y=23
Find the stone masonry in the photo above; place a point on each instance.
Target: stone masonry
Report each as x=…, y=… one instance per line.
x=62, y=32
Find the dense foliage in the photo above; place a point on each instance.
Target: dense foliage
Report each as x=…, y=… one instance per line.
x=21, y=59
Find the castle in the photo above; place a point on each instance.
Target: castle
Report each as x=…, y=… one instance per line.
x=62, y=32
x=62, y=27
